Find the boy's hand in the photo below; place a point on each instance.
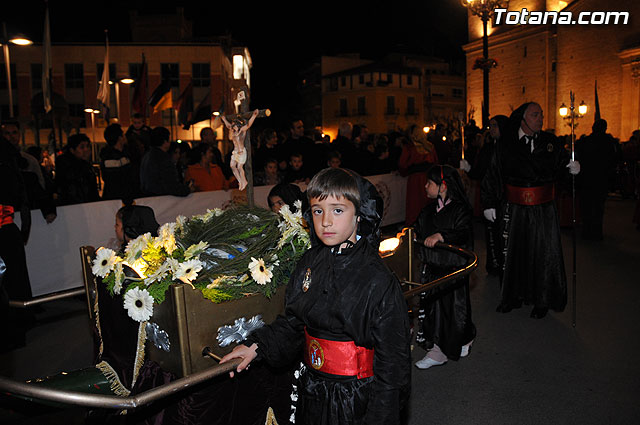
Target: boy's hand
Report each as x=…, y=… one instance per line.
x=247, y=354
x=431, y=241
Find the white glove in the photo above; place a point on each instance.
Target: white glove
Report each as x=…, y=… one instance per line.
x=574, y=167
x=490, y=214
x=464, y=165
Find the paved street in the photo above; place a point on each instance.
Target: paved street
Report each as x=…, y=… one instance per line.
x=519, y=371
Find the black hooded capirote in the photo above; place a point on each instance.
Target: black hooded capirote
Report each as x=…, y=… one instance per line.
x=352, y=296
x=445, y=311
x=533, y=267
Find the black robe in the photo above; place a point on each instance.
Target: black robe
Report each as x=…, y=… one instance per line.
x=533, y=265
x=445, y=312
x=352, y=296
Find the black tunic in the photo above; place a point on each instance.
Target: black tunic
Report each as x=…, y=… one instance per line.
x=447, y=310
x=533, y=270
x=352, y=296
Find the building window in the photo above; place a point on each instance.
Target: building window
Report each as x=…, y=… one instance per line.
x=36, y=76
x=76, y=110
x=3, y=78
x=201, y=74
x=134, y=71
x=343, y=81
x=343, y=108
x=457, y=93
x=170, y=71
x=411, y=105
x=389, y=78
x=525, y=51
x=391, y=105
x=410, y=80
x=73, y=76
x=361, y=78
x=362, y=105
x=333, y=84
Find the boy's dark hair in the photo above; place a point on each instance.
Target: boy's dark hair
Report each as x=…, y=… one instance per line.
x=296, y=155
x=159, y=135
x=337, y=182
x=137, y=115
x=75, y=139
x=112, y=133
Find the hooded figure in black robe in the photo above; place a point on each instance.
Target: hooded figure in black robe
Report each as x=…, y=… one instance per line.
x=445, y=312
x=533, y=266
x=350, y=296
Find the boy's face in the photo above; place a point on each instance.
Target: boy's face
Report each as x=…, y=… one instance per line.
x=334, y=220
x=296, y=162
x=119, y=230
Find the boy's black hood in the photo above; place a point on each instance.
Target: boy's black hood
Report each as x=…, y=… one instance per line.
x=370, y=212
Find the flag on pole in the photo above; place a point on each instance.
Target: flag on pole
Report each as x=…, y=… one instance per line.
x=139, y=102
x=104, y=91
x=203, y=111
x=46, y=63
x=161, y=98
x=597, y=113
x=184, y=106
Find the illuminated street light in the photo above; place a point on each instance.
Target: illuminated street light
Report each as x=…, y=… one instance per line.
x=484, y=9
x=571, y=115
x=127, y=81
x=426, y=129
x=4, y=42
x=93, y=113
x=564, y=111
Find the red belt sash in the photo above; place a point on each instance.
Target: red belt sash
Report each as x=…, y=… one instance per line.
x=530, y=195
x=6, y=215
x=338, y=357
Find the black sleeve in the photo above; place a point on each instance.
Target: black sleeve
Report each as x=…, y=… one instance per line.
x=491, y=186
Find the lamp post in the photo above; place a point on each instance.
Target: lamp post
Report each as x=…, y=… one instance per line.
x=93, y=113
x=20, y=41
x=117, y=84
x=571, y=115
x=484, y=10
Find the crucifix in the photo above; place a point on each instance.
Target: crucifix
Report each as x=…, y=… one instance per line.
x=238, y=125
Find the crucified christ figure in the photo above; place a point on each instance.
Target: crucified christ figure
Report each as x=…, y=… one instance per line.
x=238, y=128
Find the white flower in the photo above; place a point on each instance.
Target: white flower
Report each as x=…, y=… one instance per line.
x=136, y=246
x=166, y=238
x=119, y=277
x=104, y=262
x=259, y=271
x=181, y=221
x=195, y=250
x=159, y=274
x=139, y=304
x=188, y=270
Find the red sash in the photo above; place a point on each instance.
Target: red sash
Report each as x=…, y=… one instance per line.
x=6, y=215
x=338, y=357
x=530, y=195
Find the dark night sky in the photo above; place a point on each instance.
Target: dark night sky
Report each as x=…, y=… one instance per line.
x=280, y=44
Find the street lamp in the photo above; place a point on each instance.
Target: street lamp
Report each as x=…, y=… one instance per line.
x=19, y=40
x=117, y=83
x=484, y=10
x=93, y=113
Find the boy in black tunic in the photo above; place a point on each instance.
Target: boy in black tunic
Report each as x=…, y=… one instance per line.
x=345, y=313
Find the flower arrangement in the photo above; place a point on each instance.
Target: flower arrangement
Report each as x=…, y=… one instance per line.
x=481, y=63
x=225, y=254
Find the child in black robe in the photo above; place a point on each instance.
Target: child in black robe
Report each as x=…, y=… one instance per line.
x=445, y=327
x=344, y=313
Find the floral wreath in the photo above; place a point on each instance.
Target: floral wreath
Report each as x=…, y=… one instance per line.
x=227, y=254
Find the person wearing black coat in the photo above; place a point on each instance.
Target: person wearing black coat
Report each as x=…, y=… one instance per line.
x=158, y=174
x=75, y=178
x=344, y=313
x=446, y=330
x=597, y=156
x=520, y=186
x=117, y=170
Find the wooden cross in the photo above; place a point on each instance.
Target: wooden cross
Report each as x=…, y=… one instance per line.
x=242, y=112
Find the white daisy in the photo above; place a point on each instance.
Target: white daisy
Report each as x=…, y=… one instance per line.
x=166, y=238
x=259, y=271
x=104, y=262
x=159, y=274
x=188, y=270
x=139, y=304
x=181, y=221
x=195, y=250
x=136, y=246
